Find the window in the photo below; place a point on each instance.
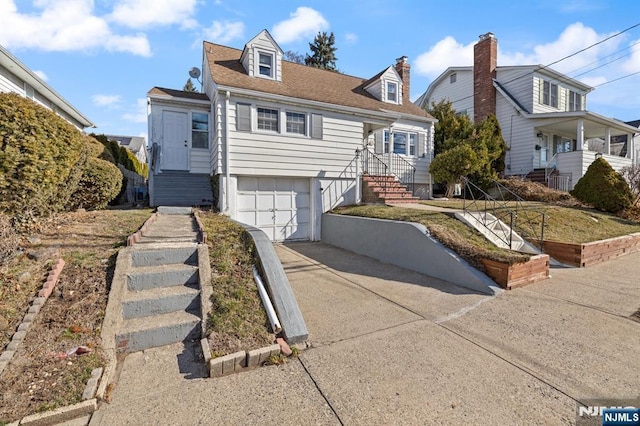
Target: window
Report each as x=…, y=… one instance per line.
x=296, y=123
x=199, y=130
x=243, y=117
x=392, y=92
x=453, y=78
x=268, y=119
x=550, y=94
x=575, y=101
x=403, y=143
x=266, y=64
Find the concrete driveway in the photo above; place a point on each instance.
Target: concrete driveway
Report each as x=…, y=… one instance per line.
x=393, y=346
x=396, y=347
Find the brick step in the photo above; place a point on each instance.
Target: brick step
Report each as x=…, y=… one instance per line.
x=368, y=178
x=393, y=189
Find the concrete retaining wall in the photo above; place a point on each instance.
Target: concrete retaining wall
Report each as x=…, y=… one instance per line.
x=404, y=244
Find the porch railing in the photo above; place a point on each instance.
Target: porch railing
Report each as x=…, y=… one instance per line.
x=404, y=171
x=375, y=168
x=561, y=182
x=505, y=206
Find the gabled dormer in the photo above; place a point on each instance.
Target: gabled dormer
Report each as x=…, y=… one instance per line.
x=386, y=86
x=262, y=57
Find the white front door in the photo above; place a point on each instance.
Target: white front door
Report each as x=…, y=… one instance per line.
x=175, y=148
x=278, y=206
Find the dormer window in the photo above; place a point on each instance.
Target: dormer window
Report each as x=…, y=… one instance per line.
x=266, y=64
x=392, y=92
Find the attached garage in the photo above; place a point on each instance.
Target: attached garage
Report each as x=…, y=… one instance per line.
x=279, y=206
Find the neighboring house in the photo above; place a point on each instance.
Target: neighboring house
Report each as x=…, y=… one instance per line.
x=16, y=77
x=136, y=144
x=281, y=142
x=543, y=115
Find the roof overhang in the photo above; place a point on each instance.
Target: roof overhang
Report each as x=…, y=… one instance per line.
x=595, y=125
x=21, y=71
x=178, y=99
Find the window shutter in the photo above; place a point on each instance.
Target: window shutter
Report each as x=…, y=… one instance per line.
x=243, y=117
x=378, y=137
x=316, y=126
x=422, y=139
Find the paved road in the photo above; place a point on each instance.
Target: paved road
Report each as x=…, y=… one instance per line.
x=393, y=346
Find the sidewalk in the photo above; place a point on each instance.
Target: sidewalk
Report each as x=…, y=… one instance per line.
x=393, y=346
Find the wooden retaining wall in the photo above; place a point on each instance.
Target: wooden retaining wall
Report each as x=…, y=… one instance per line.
x=518, y=274
x=588, y=254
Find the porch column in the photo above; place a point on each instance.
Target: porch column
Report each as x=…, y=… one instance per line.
x=390, y=153
x=580, y=135
x=607, y=140
x=630, y=146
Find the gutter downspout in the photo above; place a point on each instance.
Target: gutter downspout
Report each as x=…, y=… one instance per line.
x=226, y=153
x=266, y=302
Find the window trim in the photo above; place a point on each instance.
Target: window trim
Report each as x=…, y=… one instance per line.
x=260, y=65
x=407, y=153
x=207, y=131
x=574, y=100
x=305, y=130
x=453, y=78
x=547, y=91
x=277, y=118
x=395, y=85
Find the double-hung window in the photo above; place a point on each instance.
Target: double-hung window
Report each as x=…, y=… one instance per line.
x=199, y=130
x=268, y=119
x=265, y=66
x=575, y=101
x=297, y=123
x=392, y=92
x=550, y=94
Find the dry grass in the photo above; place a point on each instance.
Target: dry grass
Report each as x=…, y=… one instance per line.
x=238, y=320
x=467, y=242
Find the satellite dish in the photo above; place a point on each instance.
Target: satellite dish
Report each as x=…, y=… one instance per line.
x=194, y=72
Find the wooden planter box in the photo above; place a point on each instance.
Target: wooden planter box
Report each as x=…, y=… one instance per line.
x=588, y=254
x=518, y=274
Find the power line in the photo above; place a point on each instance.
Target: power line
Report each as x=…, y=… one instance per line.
x=617, y=79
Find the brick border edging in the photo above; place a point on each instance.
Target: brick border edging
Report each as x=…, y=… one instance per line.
x=37, y=303
x=202, y=234
x=245, y=360
x=137, y=236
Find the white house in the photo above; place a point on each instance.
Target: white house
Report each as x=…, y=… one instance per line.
x=16, y=77
x=542, y=113
x=281, y=142
x=136, y=144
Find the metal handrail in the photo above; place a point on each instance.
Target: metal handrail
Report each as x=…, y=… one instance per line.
x=521, y=217
x=552, y=165
x=375, y=168
x=404, y=171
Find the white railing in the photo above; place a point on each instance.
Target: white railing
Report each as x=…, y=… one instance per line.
x=561, y=182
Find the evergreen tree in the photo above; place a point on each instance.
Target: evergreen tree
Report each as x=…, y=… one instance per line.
x=189, y=87
x=323, y=52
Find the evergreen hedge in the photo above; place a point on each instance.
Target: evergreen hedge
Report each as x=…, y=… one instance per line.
x=603, y=188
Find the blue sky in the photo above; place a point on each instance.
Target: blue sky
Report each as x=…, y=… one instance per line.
x=104, y=55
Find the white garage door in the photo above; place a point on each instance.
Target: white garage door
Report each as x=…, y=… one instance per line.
x=278, y=206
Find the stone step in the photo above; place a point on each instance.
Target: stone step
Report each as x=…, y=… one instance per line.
x=138, y=334
x=164, y=256
x=157, y=301
x=149, y=277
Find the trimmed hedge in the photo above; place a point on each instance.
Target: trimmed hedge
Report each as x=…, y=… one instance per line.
x=101, y=182
x=41, y=158
x=603, y=188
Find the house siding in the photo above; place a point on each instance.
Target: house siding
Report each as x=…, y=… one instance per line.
x=518, y=83
x=518, y=135
x=459, y=93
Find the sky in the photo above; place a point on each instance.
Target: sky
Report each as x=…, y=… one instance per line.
x=103, y=56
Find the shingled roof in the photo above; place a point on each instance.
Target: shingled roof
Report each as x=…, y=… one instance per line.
x=300, y=81
x=162, y=91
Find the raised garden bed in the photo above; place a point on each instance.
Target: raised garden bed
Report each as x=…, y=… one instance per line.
x=518, y=274
x=588, y=254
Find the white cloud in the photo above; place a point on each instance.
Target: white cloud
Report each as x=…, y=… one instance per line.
x=305, y=22
x=445, y=53
x=105, y=100
x=223, y=32
x=138, y=113
x=633, y=63
x=64, y=25
x=41, y=74
x=351, y=38
x=147, y=13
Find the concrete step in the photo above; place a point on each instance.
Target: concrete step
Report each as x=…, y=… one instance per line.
x=158, y=239
x=149, y=277
x=157, y=301
x=138, y=334
x=164, y=256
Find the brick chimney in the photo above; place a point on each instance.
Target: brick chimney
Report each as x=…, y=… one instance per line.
x=485, y=59
x=404, y=69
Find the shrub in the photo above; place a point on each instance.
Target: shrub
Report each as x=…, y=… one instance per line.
x=603, y=188
x=101, y=182
x=40, y=158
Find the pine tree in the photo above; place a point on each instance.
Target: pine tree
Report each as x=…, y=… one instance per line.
x=189, y=87
x=323, y=52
